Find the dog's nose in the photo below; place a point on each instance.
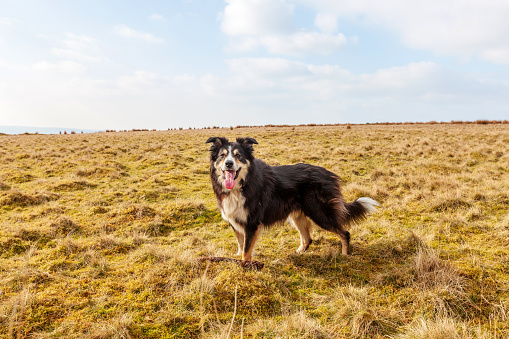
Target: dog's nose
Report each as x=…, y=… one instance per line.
x=229, y=164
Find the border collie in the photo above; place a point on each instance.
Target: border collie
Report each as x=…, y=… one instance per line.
x=252, y=195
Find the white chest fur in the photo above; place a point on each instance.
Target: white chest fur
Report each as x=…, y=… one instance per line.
x=233, y=209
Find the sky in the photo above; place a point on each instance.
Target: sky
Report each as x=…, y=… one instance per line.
x=120, y=64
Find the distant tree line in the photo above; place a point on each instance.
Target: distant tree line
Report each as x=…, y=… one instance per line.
x=348, y=126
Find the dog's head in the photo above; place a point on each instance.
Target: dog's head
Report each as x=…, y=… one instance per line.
x=230, y=161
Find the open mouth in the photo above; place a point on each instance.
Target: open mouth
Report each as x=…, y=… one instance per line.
x=229, y=178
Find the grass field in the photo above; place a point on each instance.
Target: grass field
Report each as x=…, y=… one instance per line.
x=99, y=234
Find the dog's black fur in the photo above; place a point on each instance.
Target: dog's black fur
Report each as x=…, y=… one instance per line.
x=263, y=195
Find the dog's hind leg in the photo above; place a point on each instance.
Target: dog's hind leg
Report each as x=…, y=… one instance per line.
x=303, y=225
x=330, y=219
x=344, y=236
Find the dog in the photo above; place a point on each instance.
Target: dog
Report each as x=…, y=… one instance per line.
x=252, y=195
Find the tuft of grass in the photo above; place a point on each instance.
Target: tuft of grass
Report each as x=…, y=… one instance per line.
x=192, y=213
x=96, y=261
x=356, y=313
x=64, y=226
x=450, y=204
x=439, y=328
x=18, y=199
x=433, y=272
x=73, y=185
x=294, y=325
x=441, y=284
x=4, y=187
x=109, y=244
x=139, y=211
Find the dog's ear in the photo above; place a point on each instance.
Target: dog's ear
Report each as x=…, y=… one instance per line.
x=247, y=142
x=216, y=142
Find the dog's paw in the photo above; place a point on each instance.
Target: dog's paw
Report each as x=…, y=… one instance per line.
x=303, y=247
x=301, y=250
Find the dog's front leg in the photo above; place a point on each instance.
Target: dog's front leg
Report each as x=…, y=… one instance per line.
x=240, y=241
x=250, y=238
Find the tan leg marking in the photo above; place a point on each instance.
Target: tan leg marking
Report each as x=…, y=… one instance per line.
x=345, y=247
x=345, y=242
x=303, y=225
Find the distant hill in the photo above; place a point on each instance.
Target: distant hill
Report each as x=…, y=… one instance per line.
x=41, y=130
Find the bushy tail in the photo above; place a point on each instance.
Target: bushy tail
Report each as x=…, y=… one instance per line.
x=360, y=208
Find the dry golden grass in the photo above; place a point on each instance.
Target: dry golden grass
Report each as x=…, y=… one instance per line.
x=99, y=234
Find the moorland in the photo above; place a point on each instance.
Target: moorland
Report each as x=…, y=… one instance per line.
x=100, y=232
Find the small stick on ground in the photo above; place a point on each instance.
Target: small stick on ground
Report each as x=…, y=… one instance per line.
x=234, y=313
x=251, y=265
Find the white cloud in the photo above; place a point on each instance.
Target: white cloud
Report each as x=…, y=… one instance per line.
x=496, y=55
x=403, y=77
x=326, y=22
x=425, y=83
x=297, y=44
x=71, y=66
x=271, y=24
x=156, y=17
x=302, y=43
x=268, y=68
x=13, y=66
x=73, y=54
x=81, y=48
x=452, y=27
x=128, y=32
x=62, y=66
x=257, y=17
x=44, y=66
x=183, y=80
x=409, y=78
x=76, y=42
x=243, y=44
x=6, y=22
x=143, y=80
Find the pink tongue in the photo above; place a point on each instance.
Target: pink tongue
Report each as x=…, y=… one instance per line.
x=229, y=180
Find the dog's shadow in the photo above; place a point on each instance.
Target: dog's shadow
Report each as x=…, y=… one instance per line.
x=388, y=261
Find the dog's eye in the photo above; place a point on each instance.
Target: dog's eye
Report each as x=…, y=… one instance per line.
x=237, y=156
